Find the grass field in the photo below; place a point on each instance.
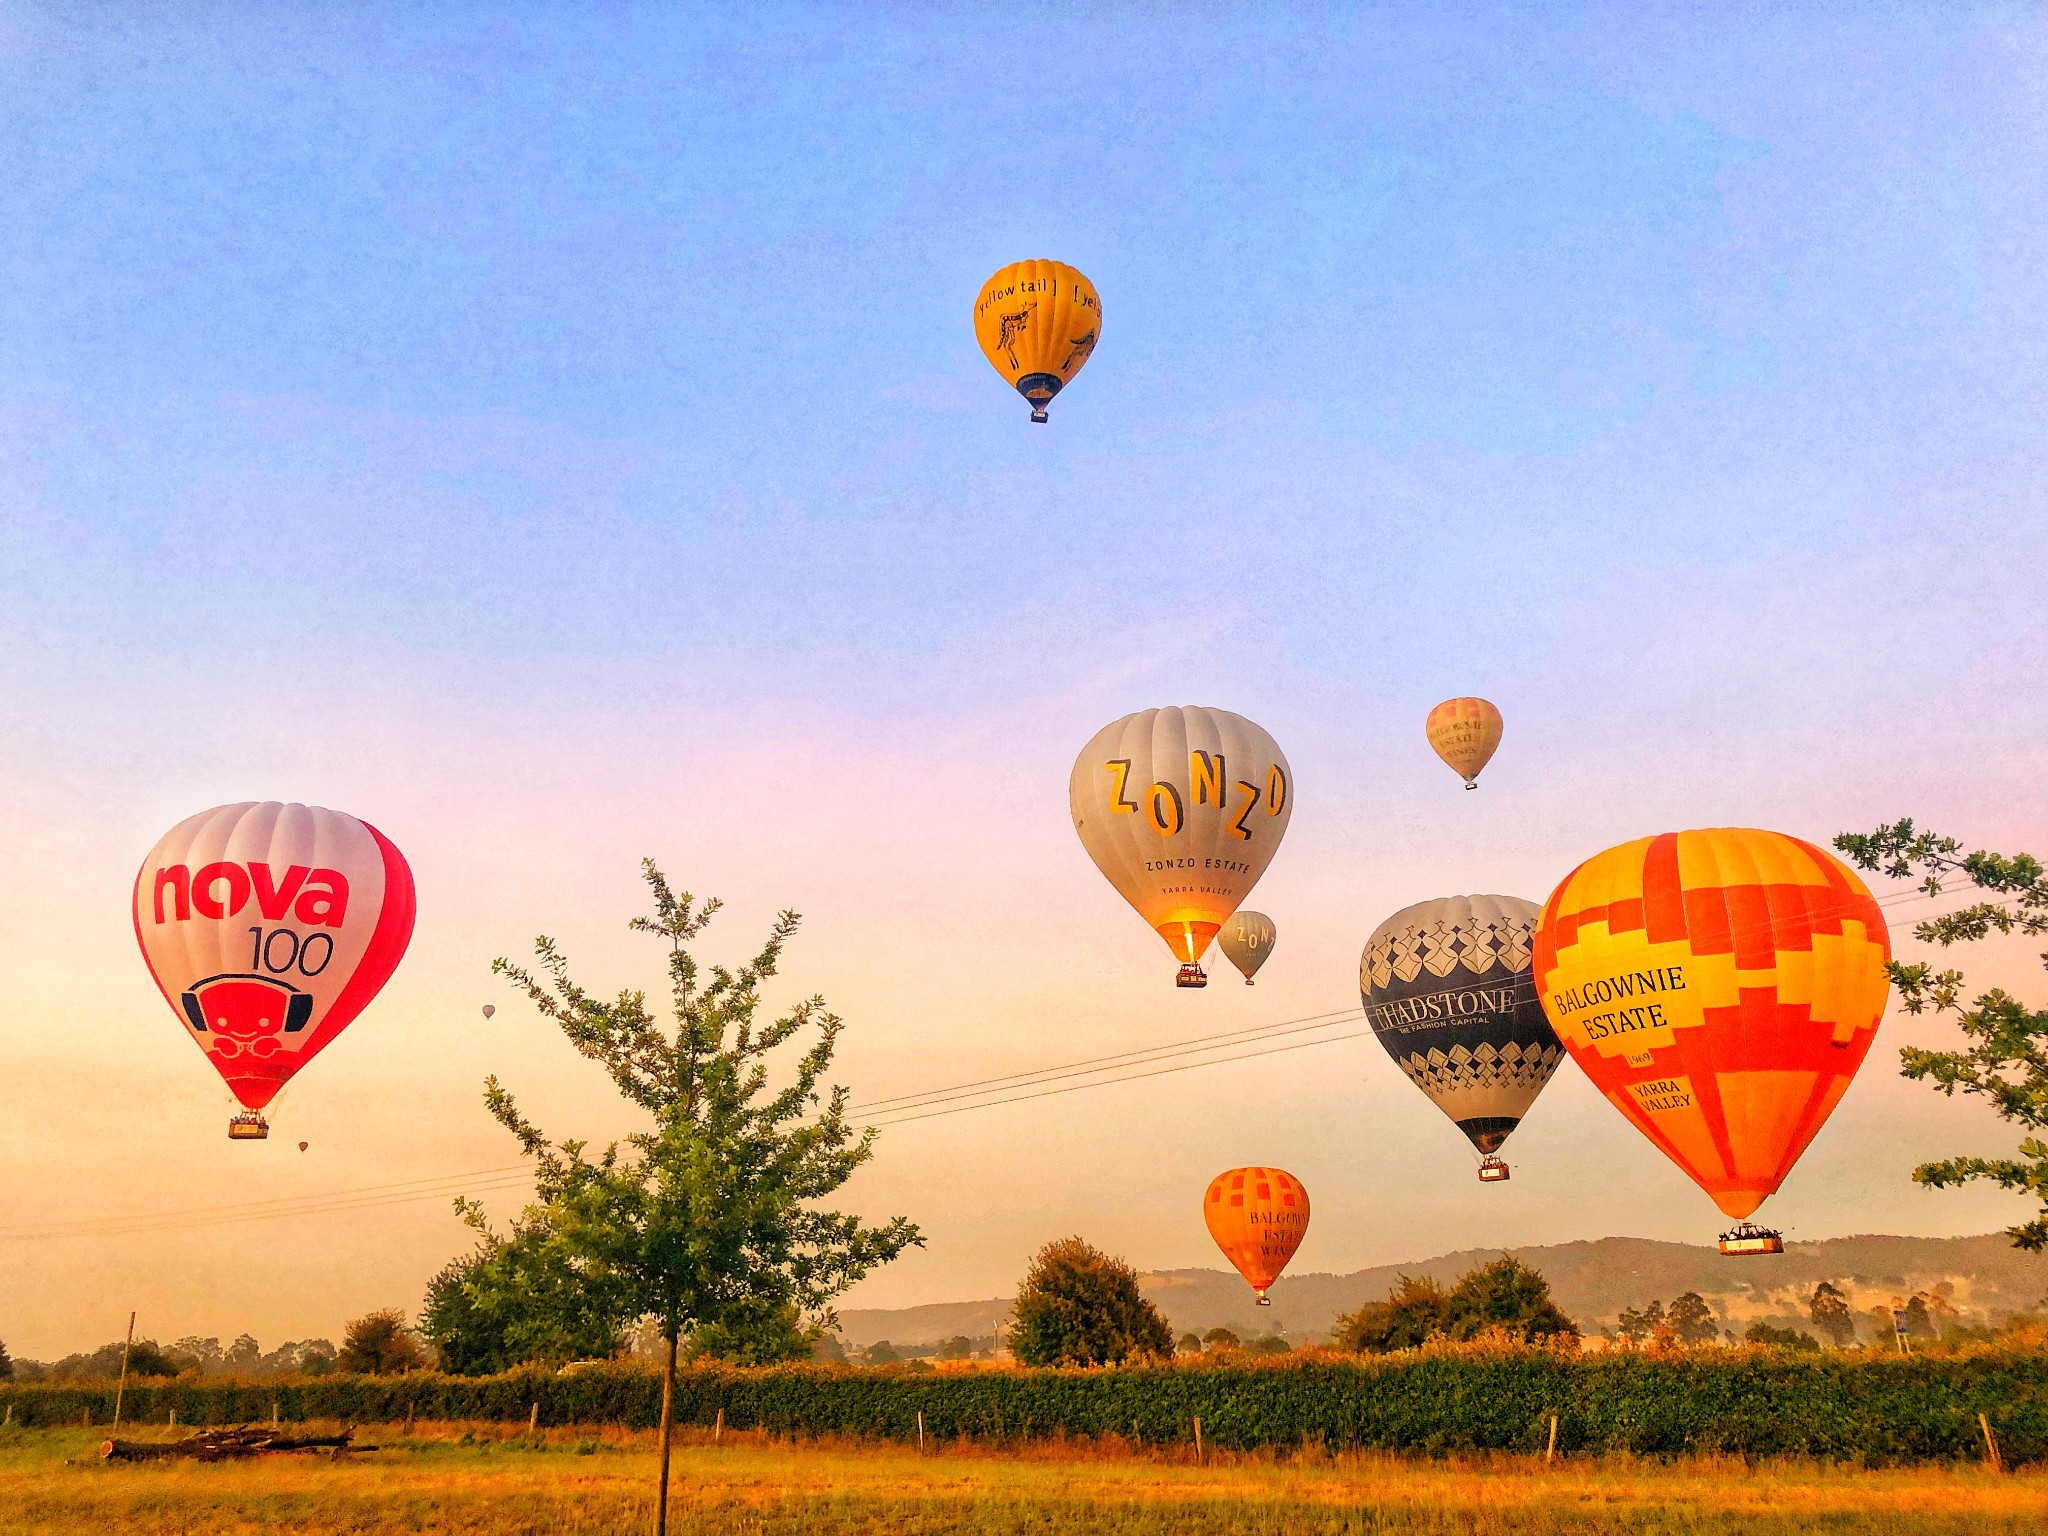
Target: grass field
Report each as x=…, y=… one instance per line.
x=449, y=1479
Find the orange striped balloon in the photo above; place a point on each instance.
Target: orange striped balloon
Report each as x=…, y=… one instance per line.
x=1721, y=988
x=1258, y=1217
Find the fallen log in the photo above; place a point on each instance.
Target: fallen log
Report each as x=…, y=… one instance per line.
x=223, y=1444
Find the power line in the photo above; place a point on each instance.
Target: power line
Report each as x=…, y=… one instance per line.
x=931, y=1104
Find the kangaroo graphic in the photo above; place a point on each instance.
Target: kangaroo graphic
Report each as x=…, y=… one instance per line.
x=1079, y=348
x=1013, y=327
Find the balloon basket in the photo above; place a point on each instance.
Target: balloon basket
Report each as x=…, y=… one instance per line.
x=1191, y=975
x=248, y=1127
x=1038, y=415
x=1493, y=1171
x=1265, y=1300
x=1749, y=1238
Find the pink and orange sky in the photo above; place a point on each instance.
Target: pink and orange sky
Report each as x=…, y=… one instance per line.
x=560, y=440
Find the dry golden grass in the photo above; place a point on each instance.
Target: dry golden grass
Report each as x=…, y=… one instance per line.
x=452, y=1480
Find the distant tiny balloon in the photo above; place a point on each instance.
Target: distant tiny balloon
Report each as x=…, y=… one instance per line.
x=303, y=1145
x=489, y=1009
x=1464, y=733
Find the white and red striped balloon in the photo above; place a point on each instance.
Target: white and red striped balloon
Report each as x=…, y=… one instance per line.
x=268, y=928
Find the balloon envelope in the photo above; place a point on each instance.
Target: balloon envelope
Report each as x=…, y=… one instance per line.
x=1465, y=733
x=1258, y=1217
x=1721, y=988
x=1182, y=810
x=489, y=1009
x=1247, y=942
x=268, y=928
x=1447, y=991
x=1038, y=322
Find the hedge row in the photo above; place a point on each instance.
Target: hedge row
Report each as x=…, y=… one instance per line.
x=1872, y=1409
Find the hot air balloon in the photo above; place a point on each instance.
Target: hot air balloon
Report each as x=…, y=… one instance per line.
x=1447, y=991
x=268, y=928
x=303, y=1145
x=1721, y=988
x=1464, y=733
x=489, y=1009
x=1182, y=810
x=1037, y=322
x=1258, y=1217
x=1247, y=941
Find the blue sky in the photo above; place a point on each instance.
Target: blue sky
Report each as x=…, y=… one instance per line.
x=456, y=413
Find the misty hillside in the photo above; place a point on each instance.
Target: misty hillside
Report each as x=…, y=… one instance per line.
x=1592, y=1281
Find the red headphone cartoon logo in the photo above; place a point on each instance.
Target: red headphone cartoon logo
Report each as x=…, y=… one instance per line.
x=246, y=1013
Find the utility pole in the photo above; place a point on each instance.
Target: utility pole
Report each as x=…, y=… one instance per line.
x=121, y=1391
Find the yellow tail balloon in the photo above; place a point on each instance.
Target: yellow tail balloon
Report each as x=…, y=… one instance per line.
x=1038, y=322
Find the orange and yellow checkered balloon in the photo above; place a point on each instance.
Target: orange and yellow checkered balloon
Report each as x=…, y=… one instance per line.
x=1258, y=1217
x=1721, y=988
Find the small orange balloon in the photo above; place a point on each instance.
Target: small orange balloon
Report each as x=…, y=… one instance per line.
x=303, y=1145
x=1464, y=733
x=1258, y=1217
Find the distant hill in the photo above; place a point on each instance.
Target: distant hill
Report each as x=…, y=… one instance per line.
x=1591, y=1281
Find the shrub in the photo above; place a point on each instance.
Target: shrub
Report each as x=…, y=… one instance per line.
x=1505, y=1296
x=1221, y=1338
x=1080, y=1306
x=1761, y=1332
x=1867, y=1407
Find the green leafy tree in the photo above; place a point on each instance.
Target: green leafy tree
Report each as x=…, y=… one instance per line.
x=959, y=1347
x=6, y=1363
x=1829, y=1311
x=827, y=1349
x=1221, y=1338
x=1414, y=1310
x=518, y=1299
x=1691, y=1320
x=145, y=1358
x=1190, y=1344
x=1918, y=1324
x=757, y=1334
x=1505, y=1295
x=1269, y=1344
x=381, y=1344
x=1080, y=1306
x=707, y=1216
x=881, y=1352
x=1640, y=1327
x=1761, y=1332
x=2006, y=1060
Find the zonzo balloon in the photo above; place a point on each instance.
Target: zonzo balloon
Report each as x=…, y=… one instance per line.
x=1258, y=1217
x=1182, y=810
x=1721, y=988
x=1247, y=942
x=268, y=928
x=1038, y=322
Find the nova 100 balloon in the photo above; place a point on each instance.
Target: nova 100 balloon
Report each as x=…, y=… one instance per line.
x=1182, y=810
x=1247, y=942
x=1447, y=991
x=268, y=928
x=1465, y=733
x=1258, y=1217
x=1037, y=322
x=1720, y=988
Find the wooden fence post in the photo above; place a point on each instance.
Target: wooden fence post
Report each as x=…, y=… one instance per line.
x=718, y=1429
x=1552, y=1451
x=408, y=1418
x=1991, y=1456
x=920, y=1431
x=533, y=1420
x=1198, y=1439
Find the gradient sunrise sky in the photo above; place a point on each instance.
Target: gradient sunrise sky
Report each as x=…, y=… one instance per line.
x=555, y=434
